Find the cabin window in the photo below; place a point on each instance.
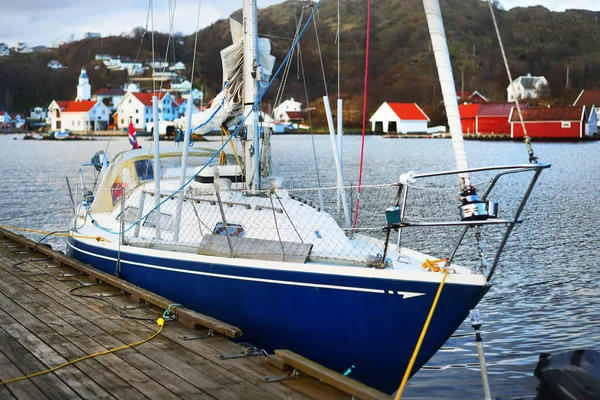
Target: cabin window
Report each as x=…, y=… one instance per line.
x=124, y=181
x=565, y=124
x=165, y=221
x=235, y=230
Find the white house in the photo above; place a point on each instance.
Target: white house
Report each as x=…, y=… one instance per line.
x=4, y=117
x=526, y=87
x=399, y=117
x=179, y=66
x=285, y=106
x=84, y=89
x=4, y=50
x=78, y=116
x=180, y=85
x=591, y=100
x=23, y=48
x=38, y=113
x=138, y=107
x=109, y=96
x=54, y=64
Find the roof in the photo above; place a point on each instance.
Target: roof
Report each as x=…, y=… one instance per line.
x=468, y=110
x=497, y=109
x=408, y=111
x=110, y=92
x=146, y=97
x=588, y=98
x=76, y=106
x=529, y=82
x=295, y=114
x=565, y=113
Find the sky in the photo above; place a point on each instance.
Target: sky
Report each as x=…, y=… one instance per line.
x=46, y=23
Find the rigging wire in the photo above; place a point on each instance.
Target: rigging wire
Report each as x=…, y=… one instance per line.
x=364, y=116
x=321, y=57
x=240, y=124
x=526, y=138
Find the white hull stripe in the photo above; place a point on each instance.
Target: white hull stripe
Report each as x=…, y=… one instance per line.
x=405, y=295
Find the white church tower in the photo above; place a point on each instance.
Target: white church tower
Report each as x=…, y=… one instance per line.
x=84, y=89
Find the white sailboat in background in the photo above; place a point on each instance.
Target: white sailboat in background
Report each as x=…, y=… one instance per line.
x=232, y=244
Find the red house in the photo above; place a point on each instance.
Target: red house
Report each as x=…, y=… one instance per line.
x=493, y=118
x=549, y=123
x=468, y=113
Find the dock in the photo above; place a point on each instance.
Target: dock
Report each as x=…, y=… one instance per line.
x=54, y=309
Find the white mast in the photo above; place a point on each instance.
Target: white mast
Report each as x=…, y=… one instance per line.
x=442, y=60
x=251, y=74
x=157, y=173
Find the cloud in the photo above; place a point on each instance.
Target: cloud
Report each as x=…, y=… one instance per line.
x=41, y=23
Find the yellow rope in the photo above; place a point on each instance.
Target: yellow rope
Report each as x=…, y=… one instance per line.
x=225, y=132
x=160, y=322
x=433, y=264
x=14, y=228
x=420, y=341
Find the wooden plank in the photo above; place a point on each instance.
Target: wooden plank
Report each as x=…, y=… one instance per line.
x=187, y=315
x=256, y=249
x=19, y=389
x=330, y=377
x=115, y=325
x=109, y=336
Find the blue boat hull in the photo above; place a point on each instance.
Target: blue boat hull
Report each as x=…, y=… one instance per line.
x=338, y=321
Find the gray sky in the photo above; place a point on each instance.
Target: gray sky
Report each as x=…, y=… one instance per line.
x=39, y=22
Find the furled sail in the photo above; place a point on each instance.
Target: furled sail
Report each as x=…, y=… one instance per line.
x=228, y=104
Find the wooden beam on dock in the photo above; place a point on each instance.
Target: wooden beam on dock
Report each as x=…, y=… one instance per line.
x=185, y=315
x=333, y=378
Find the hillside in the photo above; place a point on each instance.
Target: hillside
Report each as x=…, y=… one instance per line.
x=402, y=68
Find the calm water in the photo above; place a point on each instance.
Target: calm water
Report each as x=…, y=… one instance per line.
x=545, y=294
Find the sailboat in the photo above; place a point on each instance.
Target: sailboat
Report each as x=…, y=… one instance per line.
x=232, y=243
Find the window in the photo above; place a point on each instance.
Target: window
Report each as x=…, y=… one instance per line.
x=235, y=230
x=137, y=121
x=137, y=111
x=122, y=121
x=565, y=124
x=129, y=101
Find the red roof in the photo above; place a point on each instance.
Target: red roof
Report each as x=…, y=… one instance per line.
x=497, y=109
x=565, y=113
x=408, y=111
x=295, y=114
x=588, y=98
x=76, y=106
x=468, y=110
x=463, y=95
x=146, y=97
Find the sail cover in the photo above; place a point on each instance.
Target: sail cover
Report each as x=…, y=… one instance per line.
x=229, y=102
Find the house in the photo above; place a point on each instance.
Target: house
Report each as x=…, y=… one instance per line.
x=493, y=118
x=5, y=120
x=180, y=85
x=91, y=35
x=399, y=117
x=473, y=98
x=23, y=48
x=182, y=105
x=157, y=64
x=78, y=116
x=38, y=113
x=284, y=107
x=4, y=50
x=102, y=57
x=527, y=87
x=109, y=96
x=468, y=115
x=557, y=123
x=179, y=66
x=54, y=64
x=197, y=95
x=591, y=100
x=138, y=108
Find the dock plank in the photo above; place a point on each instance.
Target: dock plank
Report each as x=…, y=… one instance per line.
x=54, y=326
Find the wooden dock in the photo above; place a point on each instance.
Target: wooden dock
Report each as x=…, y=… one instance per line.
x=45, y=321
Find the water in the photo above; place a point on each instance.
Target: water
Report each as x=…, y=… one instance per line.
x=544, y=296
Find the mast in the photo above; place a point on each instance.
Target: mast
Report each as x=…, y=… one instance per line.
x=442, y=60
x=157, y=173
x=251, y=74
